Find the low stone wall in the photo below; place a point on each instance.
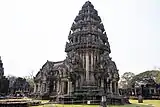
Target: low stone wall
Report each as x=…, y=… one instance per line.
x=19, y=103
x=14, y=104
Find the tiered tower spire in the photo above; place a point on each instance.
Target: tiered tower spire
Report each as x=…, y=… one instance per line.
x=88, y=40
x=87, y=31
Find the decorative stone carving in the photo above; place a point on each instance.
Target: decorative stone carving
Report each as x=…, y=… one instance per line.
x=104, y=60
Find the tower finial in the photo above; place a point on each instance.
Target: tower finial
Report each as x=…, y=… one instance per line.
x=88, y=4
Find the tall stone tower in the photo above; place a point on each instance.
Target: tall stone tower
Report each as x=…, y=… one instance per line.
x=88, y=72
x=1, y=68
x=88, y=43
x=4, y=83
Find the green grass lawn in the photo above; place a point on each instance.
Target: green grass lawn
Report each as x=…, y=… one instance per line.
x=156, y=103
x=146, y=103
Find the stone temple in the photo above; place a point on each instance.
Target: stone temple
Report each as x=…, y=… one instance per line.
x=4, y=83
x=88, y=72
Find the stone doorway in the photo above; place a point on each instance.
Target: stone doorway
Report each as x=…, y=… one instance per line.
x=65, y=87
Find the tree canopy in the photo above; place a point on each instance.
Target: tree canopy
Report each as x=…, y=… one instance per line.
x=125, y=81
x=151, y=77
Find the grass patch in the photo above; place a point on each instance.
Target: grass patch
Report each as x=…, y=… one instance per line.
x=146, y=103
x=156, y=103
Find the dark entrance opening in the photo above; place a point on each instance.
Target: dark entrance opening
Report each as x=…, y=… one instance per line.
x=65, y=87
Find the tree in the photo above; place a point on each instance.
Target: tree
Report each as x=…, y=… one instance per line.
x=30, y=80
x=125, y=80
x=11, y=79
x=158, y=77
x=153, y=75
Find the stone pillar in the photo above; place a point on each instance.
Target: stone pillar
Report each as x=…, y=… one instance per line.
x=92, y=65
x=111, y=91
x=62, y=87
x=92, y=59
x=35, y=87
x=83, y=54
x=76, y=83
x=149, y=90
x=47, y=87
x=102, y=83
x=87, y=67
x=108, y=88
x=58, y=87
x=78, y=39
x=155, y=90
x=117, y=87
x=69, y=87
x=114, y=87
x=74, y=39
x=39, y=87
x=135, y=91
x=44, y=87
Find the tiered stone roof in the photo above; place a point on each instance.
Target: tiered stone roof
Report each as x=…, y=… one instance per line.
x=87, y=31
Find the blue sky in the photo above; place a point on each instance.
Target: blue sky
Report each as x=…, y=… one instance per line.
x=34, y=31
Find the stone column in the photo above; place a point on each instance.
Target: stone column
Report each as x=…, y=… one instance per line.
x=135, y=91
x=38, y=87
x=35, y=87
x=114, y=87
x=47, y=87
x=108, y=88
x=78, y=39
x=58, y=87
x=92, y=65
x=92, y=59
x=87, y=67
x=62, y=87
x=76, y=83
x=42, y=85
x=102, y=83
x=150, y=91
x=83, y=55
x=111, y=91
x=74, y=39
x=69, y=87
x=117, y=87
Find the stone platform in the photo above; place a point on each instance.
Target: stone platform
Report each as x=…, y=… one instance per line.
x=14, y=104
x=19, y=103
x=88, y=93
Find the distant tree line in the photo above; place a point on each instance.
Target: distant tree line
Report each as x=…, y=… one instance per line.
x=150, y=78
x=12, y=85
